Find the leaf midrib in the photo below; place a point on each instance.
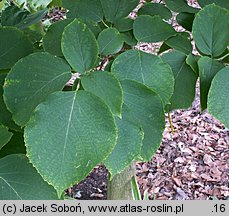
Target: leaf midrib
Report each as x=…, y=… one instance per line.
x=67, y=130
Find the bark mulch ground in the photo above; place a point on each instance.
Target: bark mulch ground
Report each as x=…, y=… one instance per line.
x=192, y=163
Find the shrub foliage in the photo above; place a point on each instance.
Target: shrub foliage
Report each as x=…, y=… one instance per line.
x=51, y=136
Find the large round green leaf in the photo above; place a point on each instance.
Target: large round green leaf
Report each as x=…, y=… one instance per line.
x=20, y=181
x=218, y=104
x=107, y=87
x=90, y=9
x=68, y=135
x=110, y=41
x=147, y=69
x=185, y=80
x=52, y=38
x=144, y=107
x=5, y=136
x=221, y=3
x=14, y=45
x=211, y=30
x=208, y=68
x=152, y=29
x=117, y=9
x=153, y=9
x=180, y=6
x=5, y=115
x=31, y=80
x=79, y=46
x=128, y=148
x=14, y=146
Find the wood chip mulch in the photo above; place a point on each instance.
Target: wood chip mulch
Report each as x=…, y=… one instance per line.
x=192, y=163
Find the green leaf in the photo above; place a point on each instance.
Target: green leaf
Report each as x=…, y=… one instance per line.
x=164, y=47
x=108, y=66
x=124, y=24
x=152, y=29
x=185, y=80
x=221, y=3
x=192, y=60
x=32, y=5
x=129, y=38
x=37, y=4
x=20, y=181
x=208, y=68
x=14, y=146
x=14, y=46
x=5, y=136
x=4, y=72
x=66, y=145
x=180, y=43
x=20, y=18
x=218, y=104
x=153, y=9
x=31, y=80
x=184, y=34
x=5, y=115
x=114, y=10
x=52, y=38
x=144, y=107
x=225, y=58
x=146, y=195
x=135, y=189
x=206, y=27
x=92, y=25
x=56, y=3
x=110, y=41
x=146, y=69
x=2, y=4
x=185, y=20
x=79, y=46
x=12, y=15
x=128, y=147
x=32, y=19
x=180, y=6
x=107, y=87
x=90, y=9
x=34, y=36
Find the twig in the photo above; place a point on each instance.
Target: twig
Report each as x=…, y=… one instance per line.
x=171, y=124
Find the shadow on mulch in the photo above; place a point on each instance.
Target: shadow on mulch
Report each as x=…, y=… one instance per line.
x=94, y=187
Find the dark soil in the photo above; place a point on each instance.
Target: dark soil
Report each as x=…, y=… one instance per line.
x=94, y=187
